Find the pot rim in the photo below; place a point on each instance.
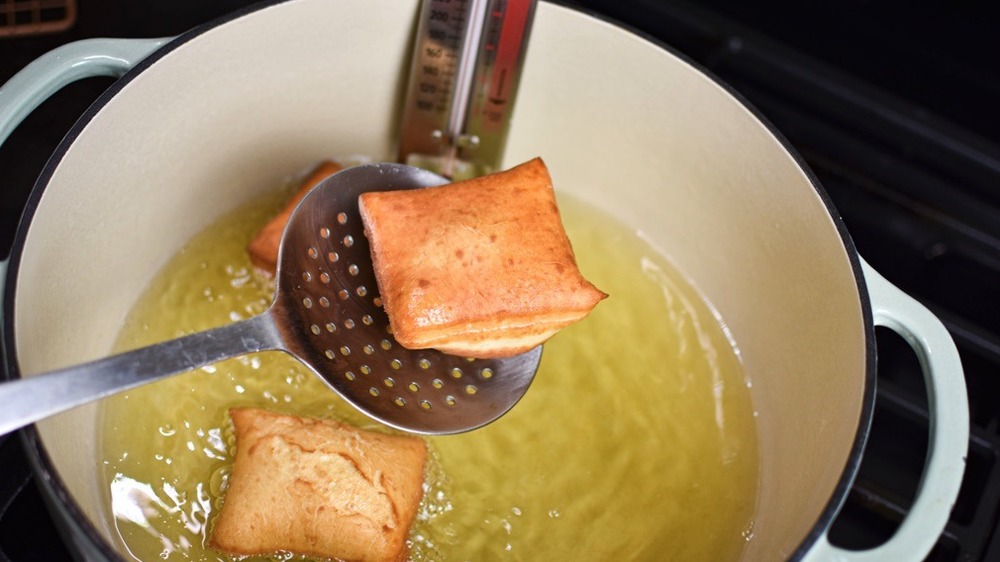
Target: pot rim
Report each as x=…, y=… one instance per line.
x=72, y=519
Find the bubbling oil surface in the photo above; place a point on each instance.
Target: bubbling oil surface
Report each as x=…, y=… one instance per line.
x=635, y=442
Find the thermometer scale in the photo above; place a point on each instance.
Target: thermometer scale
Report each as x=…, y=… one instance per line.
x=463, y=79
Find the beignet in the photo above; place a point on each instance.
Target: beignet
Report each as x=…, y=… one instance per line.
x=480, y=268
x=263, y=248
x=319, y=488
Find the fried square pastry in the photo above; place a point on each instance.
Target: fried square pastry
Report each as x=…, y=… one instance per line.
x=319, y=488
x=263, y=248
x=479, y=268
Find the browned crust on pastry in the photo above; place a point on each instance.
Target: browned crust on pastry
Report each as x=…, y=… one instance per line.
x=263, y=248
x=319, y=488
x=480, y=267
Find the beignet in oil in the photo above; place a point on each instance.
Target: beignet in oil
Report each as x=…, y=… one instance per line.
x=263, y=248
x=319, y=488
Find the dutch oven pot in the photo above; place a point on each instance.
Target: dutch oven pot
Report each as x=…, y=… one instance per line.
x=199, y=124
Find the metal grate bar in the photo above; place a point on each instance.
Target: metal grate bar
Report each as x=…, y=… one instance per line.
x=35, y=17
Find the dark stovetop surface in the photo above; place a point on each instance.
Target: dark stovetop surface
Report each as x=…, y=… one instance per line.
x=892, y=106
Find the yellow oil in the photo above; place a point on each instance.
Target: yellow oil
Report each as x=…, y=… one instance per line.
x=636, y=441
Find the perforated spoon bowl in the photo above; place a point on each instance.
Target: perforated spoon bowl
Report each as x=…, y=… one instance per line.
x=327, y=313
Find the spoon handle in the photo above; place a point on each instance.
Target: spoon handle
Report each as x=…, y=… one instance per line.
x=30, y=399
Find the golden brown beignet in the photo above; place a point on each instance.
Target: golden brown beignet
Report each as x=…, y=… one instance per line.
x=319, y=488
x=479, y=268
x=263, y=248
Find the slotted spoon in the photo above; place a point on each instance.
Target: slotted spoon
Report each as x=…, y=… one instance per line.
x=327, y=313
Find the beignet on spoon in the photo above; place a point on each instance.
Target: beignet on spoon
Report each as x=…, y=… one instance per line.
x=480, y=268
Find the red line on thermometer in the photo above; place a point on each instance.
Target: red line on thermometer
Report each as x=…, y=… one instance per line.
x=508, y=50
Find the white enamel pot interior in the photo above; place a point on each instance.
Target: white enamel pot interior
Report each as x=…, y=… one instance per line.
x=223, y=113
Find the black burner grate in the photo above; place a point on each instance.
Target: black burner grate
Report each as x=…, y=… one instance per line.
x=27, y=532
x=35, y=17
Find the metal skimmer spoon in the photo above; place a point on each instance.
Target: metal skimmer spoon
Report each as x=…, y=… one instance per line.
x=327, y=313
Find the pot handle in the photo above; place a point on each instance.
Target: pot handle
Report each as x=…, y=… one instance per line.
x=68, y=63
x=948, y=441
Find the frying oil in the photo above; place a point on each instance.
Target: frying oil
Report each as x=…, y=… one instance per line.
x=635, y=442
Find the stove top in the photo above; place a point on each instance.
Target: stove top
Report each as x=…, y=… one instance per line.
x=890, y=104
